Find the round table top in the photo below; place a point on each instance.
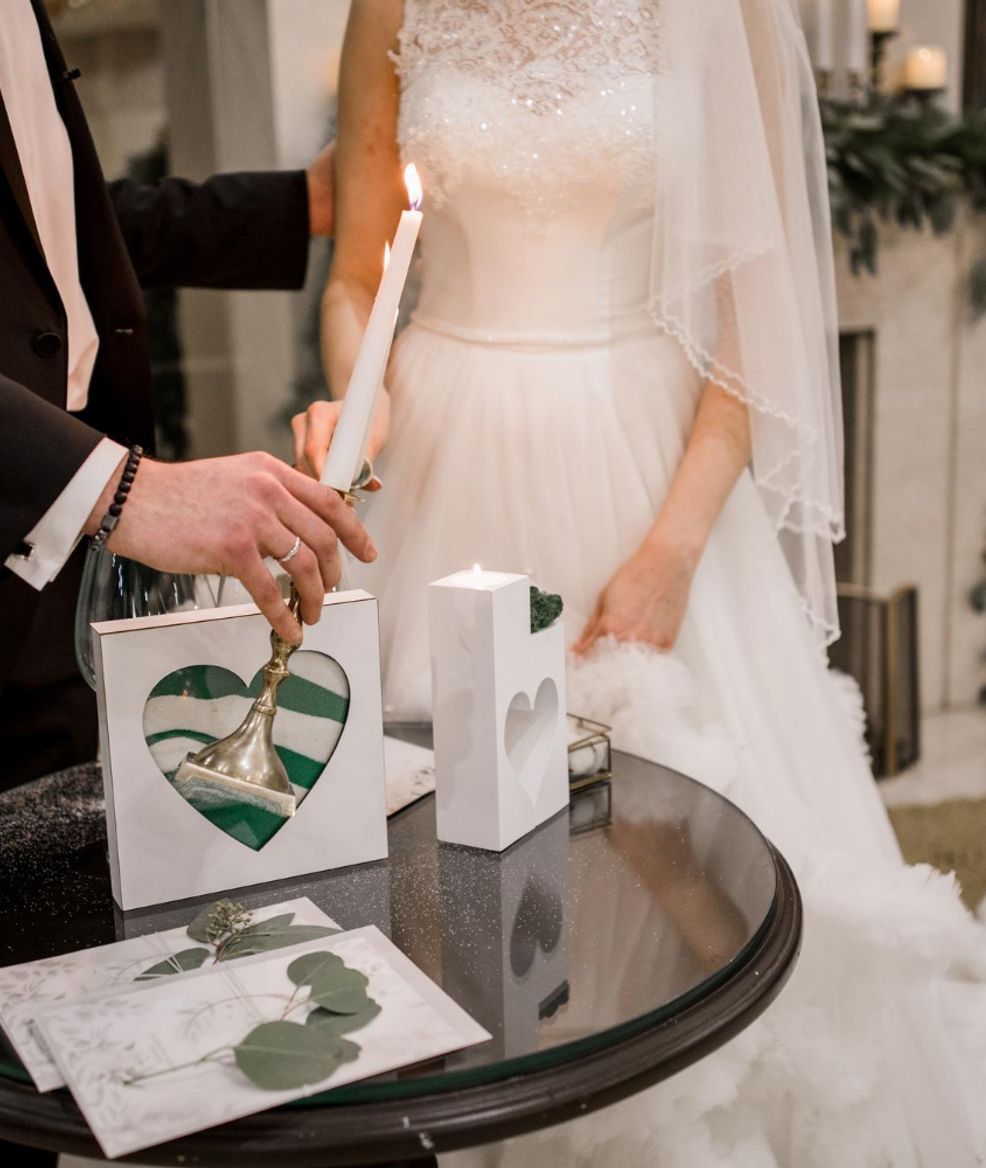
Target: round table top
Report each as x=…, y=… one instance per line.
x=607, y=950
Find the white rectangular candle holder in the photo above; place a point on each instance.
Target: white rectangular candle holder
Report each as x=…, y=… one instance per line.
x=498, y=692
x=168, y=684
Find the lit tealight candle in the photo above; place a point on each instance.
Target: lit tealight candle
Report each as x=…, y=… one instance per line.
x=347, y=449
x=478, y=577
x=884, y=15
x=926, y=68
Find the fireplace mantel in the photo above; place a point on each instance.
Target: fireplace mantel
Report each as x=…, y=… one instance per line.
x=928, y=441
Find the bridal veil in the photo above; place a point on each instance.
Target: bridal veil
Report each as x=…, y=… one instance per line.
x=742, y=271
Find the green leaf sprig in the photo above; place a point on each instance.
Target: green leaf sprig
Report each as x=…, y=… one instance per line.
x=282, y=1055
x=546, y=608
x=226, y=931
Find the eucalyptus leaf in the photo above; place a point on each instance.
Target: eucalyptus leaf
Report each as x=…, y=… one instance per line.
x=311, y=966
x=334, y=1025
x=176, y=963
x=283, y=1056
x=271, y=925
x=342, y=997
x=198, y=930
x=264, y=942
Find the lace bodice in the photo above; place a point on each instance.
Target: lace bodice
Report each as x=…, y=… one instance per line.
x=539, y=97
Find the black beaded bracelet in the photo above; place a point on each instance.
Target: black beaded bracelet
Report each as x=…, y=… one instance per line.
x=112, y=516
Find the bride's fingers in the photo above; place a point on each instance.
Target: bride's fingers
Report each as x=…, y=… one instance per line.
x=321, y=422
x=589, y=634
x=299, y=426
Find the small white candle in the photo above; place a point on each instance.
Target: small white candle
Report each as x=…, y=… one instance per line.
x=926, y=67
x=884, y=15
x=858, y=38
x=477, y=577
x=824, y=35
x=347, y=449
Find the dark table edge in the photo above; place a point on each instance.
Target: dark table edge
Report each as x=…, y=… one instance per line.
x=368, y=1133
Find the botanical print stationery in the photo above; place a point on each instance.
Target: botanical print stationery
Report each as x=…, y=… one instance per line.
x=221, y=932
x=150, y=1065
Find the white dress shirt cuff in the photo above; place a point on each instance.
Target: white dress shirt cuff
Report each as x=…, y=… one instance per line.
x=56, y=534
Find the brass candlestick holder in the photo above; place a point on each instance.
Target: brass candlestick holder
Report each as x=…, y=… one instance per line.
x=244, y=767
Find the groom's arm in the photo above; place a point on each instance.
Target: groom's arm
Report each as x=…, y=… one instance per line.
x=41, y=449
x=247, y=230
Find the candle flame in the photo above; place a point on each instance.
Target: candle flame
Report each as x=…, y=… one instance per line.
x=386, y=256
x=413, y=183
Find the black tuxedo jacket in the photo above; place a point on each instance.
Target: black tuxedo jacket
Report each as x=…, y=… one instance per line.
x=233, y=231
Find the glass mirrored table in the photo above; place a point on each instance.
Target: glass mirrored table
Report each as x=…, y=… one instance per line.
x=617, y=944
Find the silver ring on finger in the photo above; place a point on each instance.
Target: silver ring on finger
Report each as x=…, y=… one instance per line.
x=292, y=553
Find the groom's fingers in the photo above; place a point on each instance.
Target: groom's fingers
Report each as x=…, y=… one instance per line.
x=316, y=535
x=262, y=586
x=328, y=506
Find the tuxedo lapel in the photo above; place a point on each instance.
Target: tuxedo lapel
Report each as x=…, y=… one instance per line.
x=13, y=175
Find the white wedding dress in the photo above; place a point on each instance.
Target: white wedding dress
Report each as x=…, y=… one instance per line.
x=538, y=419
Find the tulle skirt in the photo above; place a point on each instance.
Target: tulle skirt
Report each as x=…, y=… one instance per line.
x=554, y=461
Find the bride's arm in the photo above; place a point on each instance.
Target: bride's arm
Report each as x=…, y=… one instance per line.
x=647, y=598
x=369, y=199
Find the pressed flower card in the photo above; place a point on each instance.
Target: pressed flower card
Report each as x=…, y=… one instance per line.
x=219, y=933
x=153, y=1064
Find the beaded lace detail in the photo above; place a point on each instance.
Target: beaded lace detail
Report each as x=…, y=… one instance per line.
x=538, y=96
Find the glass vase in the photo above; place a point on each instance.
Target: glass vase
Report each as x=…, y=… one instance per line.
x=115, y=588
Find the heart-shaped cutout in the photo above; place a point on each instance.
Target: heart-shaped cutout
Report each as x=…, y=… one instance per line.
x=529, y=734
x=537, y=925
x=201, y=703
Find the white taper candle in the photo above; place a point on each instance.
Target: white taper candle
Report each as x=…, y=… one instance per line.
x=858, y=58
x=884, y=15
x=347, y=449
x=926, y=68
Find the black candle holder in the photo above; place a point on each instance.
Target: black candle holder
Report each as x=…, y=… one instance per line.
x=923, y=97
x=879, y=40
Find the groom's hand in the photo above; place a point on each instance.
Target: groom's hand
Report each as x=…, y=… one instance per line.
x=224, y=515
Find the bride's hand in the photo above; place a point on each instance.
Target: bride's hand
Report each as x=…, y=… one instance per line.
x=314, y=428
x=645, y=600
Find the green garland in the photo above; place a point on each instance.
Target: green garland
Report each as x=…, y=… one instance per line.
x=905, y=162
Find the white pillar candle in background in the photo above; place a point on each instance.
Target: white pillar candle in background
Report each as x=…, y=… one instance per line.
x=824, y=35
x=347, y=449
x=884, y=15
x=858, y=56
x=926, y=67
